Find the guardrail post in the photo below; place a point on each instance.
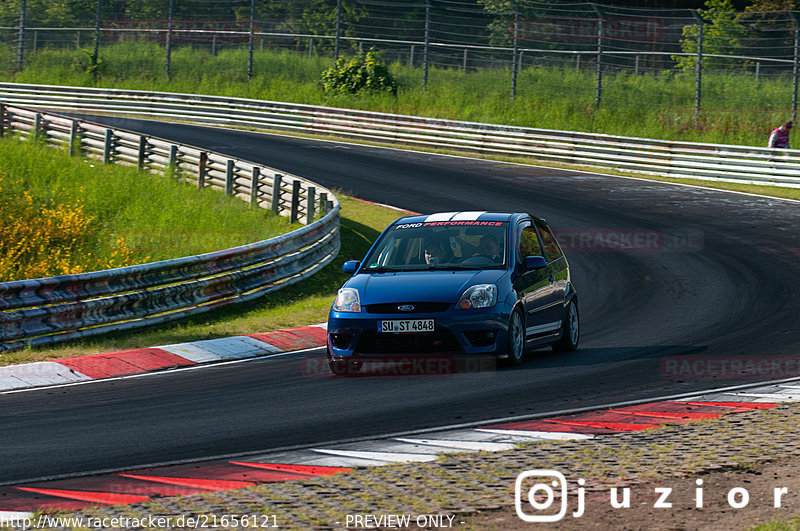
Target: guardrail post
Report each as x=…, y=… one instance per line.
x=295, y=201
x=172, y=163
x=255, y=180
x=74, y=139
x=201, y=170
x=142, y=152
x=2, y=119
x=310, y=204
x=107, y=146
x=37, y=126
x=323, y=203
x=276, y=194
x=229, y=177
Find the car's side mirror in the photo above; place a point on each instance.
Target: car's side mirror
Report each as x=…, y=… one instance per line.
x=351, y=266
x=535, y=262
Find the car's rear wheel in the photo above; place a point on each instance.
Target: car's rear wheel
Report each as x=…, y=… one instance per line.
x=516, y=338
x=570, y=330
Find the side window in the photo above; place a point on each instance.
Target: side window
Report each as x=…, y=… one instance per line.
x=529, y=243
x=550, y=244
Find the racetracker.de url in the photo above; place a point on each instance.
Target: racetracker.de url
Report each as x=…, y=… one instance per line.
x=202, y=521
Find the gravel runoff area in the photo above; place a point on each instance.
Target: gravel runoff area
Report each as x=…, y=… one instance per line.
x=738, y=457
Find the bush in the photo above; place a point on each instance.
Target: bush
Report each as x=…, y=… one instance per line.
x=364, y=73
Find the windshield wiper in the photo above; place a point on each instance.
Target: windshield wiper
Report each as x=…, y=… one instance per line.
x=384, y=269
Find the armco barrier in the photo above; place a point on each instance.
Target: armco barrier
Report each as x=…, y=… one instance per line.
x=46, y=310
x=673, y=159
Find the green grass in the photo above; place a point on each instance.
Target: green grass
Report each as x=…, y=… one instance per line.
x=737, y=108
x=306, y=302
x=159, y=217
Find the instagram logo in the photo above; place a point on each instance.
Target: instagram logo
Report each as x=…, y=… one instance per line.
x=541, y=496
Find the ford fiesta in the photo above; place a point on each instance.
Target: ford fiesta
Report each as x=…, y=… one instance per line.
x=455, y=283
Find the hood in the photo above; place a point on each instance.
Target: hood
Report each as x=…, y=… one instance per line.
x=418, y=286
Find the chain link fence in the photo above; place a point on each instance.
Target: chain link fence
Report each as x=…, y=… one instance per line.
x=512, y=37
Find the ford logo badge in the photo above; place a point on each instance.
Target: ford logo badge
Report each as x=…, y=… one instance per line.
x=405, y=307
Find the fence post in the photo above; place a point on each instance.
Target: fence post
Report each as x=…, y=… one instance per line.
x=255, y=179
x=201, y=170
x=142, y=152
x=338, y=29
x=21, y=37
x=698, y=67
x=276, y=194
x=465, y=61
x=78, y=40
x=599, y=84
x=310, y=47
x=107, y=146
x=74, y=140
x=229, y=177
x=252, y=39
x=425, y=53
x=214, y=43
x=795, y=73
x=514, y=65
x=411, y=56
x=168, y=38
x=2, y=119
x=310, y=204
x=96, y=53
x=295, y=208
x=636, y=68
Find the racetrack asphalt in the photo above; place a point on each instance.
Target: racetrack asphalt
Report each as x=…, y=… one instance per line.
x=720, y=283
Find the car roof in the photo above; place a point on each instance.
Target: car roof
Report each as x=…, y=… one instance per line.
x=459, y=216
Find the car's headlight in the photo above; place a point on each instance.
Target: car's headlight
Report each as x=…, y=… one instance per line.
x=347, y=301
x=480, y=296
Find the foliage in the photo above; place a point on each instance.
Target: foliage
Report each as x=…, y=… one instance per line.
x=61, y=214
x=43, y=238
x=363, y=73
x=722, y=34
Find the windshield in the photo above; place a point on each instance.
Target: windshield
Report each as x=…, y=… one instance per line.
x=440, y=245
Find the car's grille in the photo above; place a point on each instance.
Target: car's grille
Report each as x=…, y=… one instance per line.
x=373, y=342
x=419, y=307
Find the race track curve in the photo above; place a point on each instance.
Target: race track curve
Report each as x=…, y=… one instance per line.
x=722, y=282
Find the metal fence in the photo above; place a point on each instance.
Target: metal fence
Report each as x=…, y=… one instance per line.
x=513, y=36
x=722, y=162
x=43, y=311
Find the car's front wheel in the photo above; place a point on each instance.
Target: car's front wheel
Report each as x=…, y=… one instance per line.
x=570, y=330
x=516, y=338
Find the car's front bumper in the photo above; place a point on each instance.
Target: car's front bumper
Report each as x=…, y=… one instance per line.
x=456, y=332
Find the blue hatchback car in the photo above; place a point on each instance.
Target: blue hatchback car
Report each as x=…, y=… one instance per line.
x=455, y=283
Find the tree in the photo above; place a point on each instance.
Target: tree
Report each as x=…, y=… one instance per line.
x=722, y=35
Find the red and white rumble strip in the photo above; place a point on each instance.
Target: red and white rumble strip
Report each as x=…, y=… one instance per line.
x=142, y=360
x=133, y=486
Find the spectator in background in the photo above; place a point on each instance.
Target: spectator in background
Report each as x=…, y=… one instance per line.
x=779, y=138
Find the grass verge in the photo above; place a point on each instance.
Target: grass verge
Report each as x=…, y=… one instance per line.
x=306, y=302
x=737, y=108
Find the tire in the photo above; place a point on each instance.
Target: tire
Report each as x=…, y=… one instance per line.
x=516, y=338
x=345, y=367
x=570, y=330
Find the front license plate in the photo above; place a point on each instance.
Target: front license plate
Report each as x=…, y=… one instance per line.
x=406, y=325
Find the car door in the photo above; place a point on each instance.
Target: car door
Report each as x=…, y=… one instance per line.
x=558, y=270
x=534, y=286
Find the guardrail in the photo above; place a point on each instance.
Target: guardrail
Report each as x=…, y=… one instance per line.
x=47, y=310
x=694, y=160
